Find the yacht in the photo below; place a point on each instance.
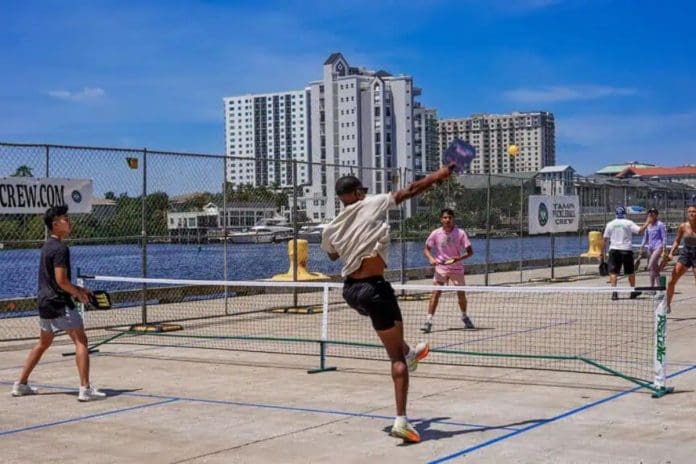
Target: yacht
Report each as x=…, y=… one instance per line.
x=311, y=233
x=267, y=230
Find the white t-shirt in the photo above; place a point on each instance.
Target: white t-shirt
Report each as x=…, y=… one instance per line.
x=620, y=233
x=360, y=231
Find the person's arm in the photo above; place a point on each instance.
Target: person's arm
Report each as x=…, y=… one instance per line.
x=466, y=244
x=327, y=246
x=644, y=242
x=64, y=283
x=469, y=253
x=420, y=185
x=430, y=243
x=663, y=236
x=642, y=228
x=677, y=240
x=431, y=259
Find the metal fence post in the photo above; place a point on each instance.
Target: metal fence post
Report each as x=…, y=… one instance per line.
x=521, y=229
x=402, y=278
x=294, y=230
x=224, y=231
x=488, y=225
x=47, y=175
x=143, y=222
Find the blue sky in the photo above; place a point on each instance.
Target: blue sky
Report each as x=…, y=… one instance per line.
x=618, y=75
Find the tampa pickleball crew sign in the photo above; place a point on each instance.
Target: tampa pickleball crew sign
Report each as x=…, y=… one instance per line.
x=552, y=214
x=34, y=195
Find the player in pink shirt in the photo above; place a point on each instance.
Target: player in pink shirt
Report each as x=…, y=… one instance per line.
x=446, y=248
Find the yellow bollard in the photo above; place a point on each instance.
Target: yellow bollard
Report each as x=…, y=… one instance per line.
x=596, y=248
x=302, y=271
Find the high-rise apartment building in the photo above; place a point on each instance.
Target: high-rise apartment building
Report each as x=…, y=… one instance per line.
x=353, y=120
x=360, y=118
x=426, y=152
x=491, y=134
x=267, y=130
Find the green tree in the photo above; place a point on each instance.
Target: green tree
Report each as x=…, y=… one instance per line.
x=23, y=171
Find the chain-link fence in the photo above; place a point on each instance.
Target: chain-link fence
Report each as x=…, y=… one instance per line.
x=204, y=216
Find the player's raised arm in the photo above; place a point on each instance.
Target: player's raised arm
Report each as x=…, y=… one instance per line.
x=423, y=184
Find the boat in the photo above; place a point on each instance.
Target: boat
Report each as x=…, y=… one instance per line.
x=267, y=230
x=256, y=236
x=311, y=233
x=278, y=226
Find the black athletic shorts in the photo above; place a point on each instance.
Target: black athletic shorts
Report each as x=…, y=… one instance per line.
x=373, y=297
x=619, y=258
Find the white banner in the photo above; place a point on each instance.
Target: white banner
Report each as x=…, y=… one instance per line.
x=551, y=214
x=34, y=195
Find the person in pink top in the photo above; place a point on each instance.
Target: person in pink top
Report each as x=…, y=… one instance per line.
x=446, y=248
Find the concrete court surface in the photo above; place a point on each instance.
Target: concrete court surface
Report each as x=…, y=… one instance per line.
x=171, y=405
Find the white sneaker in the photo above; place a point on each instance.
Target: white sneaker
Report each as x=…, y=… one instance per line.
x=23, y=389
x=90, y=393
x=418, y=354
x=405, y=431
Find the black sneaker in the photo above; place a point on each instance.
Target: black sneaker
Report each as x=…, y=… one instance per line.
x=614, y=296
x=427, y=327
x=467, y=322
x=635, y=295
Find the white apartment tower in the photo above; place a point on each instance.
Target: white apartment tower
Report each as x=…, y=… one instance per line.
x=426, y=153
x=491, y=134
x=262, y=133
x=359, y=118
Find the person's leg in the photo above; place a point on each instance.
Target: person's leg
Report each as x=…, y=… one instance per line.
x=45, y=340
x=612, y=279
x=79, y=338
x=393, y=341
x=632, y=280
x=654, y=267
x=458, y=280
x=434, y=300
x=677, y=272
x=432, y=304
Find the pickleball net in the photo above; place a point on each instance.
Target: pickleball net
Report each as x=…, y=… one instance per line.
x=574, y=329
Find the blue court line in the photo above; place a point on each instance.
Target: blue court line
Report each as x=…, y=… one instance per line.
x=284, y=408
x=533, y=329
x=81, y=418
x=547, y=421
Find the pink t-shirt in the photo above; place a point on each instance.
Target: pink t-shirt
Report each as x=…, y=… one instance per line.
x=443, y=246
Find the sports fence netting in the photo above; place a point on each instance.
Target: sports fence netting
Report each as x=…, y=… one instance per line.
x=577, y=329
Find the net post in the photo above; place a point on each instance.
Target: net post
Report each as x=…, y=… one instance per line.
x=324, y=335
x=659, y=383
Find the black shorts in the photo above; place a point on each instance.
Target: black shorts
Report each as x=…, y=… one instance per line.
x=373, y=297
x=687, y=257
x=621, y=258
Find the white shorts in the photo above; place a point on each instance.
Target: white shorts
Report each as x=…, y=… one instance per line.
x=71, y=320
x=455, y=278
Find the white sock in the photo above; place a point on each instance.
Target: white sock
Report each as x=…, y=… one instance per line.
x=400, y=420
x=429, y=318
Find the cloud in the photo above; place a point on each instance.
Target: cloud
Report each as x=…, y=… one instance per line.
x=567, y=93
x=86, y=94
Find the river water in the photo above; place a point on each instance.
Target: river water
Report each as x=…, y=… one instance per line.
x=19, y=268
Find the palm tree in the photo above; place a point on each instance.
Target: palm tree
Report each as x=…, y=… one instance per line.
x=23, y=171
